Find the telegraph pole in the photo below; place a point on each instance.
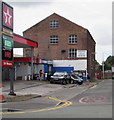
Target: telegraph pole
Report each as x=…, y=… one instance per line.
x=103, y=65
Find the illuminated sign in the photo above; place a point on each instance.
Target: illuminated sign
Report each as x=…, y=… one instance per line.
x=7, y=15
x=7, y=31
x=7, y=35
x=7, y=42
x=7, y=63
x=7, y=55
x=7, y=48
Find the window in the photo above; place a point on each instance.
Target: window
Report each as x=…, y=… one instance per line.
x=72, y=53
x=54, y=39
x=28, y=53
x=54, y=24
x=72, y=39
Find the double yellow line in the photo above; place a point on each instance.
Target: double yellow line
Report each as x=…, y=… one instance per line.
x=65, y=104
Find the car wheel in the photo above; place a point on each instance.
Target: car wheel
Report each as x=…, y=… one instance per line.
x=72, y=81
x=80, y=83
x=63, y=82
x=51, y=81
x=76, y=82
x=69, y=81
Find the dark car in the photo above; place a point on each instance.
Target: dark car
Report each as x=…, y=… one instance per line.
x=75, y=79
x=112, y=76
x=36, y=77
x=59, y=77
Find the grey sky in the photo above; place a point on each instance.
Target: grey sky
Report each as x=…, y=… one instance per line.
x=94, y=15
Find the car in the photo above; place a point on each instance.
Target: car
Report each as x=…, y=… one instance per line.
x=112, y=76
x=36, y=77
x=59, y=77
x=75, y=79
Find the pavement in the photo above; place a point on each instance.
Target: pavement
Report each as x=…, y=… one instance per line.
x=36, y=88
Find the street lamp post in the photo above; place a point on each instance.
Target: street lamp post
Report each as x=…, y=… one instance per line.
x=0, y=42
x=103, y=65
x=103, y=68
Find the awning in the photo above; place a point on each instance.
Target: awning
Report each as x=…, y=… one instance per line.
x=19, y=42
x=22, y=42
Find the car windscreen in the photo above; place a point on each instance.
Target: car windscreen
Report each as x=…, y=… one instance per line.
x=59, y=73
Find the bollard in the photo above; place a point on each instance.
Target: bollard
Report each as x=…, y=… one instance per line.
x=25, y=77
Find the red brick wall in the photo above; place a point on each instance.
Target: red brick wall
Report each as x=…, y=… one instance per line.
x=41, y=33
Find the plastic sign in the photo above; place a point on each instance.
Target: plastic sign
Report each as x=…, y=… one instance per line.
x=81, y=53
x=7, y=15
x=7, y=35
x=7, y=63
x=7, y=42
x=7, y=48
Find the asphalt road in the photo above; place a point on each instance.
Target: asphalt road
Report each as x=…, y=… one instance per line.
x=95, y=102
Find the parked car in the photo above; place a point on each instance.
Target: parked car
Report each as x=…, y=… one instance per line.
x=112, y=76
x=60, y=77
x=36, y=77
x=76, y=79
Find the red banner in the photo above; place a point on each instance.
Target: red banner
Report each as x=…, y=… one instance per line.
x=7, y=63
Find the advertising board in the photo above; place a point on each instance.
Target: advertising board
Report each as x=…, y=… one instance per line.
x=7, y=35
x=81, y=53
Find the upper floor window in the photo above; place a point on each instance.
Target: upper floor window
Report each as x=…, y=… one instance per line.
x=54, y=24
x=72, y=53
x=72, y=39
x=54, y=39
x=28, y=52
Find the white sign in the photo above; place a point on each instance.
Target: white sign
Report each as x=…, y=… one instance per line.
x=77, y=64
x=81, y=53
x=112, y=69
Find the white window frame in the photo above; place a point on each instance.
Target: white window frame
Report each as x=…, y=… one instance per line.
x=72, y=53
x=53, y=39
x=54, y=24
x=72, y=39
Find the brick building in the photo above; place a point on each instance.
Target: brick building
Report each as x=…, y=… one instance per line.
x=62, y=41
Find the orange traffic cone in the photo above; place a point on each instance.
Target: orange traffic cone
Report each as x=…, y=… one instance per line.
x=2, y=98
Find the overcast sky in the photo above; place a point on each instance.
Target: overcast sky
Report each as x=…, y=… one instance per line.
x=94, y=15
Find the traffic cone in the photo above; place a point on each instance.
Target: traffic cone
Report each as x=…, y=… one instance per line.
x=2, y=98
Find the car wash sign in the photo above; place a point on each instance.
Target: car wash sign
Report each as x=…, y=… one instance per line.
x=7, y=35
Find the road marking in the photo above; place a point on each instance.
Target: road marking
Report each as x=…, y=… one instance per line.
x=93, y=87
x=65, y=104
x=92, y=99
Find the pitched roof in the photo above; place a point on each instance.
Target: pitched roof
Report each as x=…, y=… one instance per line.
x=53, y=15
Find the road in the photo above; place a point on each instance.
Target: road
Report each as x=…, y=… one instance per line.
x=95, y=102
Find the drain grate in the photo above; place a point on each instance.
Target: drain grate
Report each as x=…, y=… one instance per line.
x=10, y=110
